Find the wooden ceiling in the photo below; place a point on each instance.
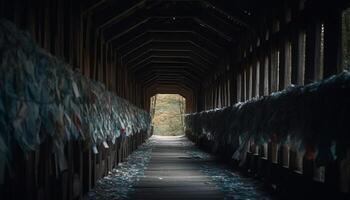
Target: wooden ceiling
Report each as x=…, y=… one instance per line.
x=171, y=42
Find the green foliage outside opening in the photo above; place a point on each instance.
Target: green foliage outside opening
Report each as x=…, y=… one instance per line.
x=167, y=111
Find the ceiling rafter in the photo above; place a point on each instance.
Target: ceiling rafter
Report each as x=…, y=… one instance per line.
x=174, y=35
x=174, y=60
x=159, y=26
x=171, y=47
x=181, y=89
x=180, y=74
x=180, y=37
x=165, y=80
x=168, y=45
x=170, y=54
x=170, y=69
x=157, y=9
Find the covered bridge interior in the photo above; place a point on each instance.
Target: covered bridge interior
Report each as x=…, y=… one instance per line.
x=221, y=55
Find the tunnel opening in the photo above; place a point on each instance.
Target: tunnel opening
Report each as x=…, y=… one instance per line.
x=167, y=112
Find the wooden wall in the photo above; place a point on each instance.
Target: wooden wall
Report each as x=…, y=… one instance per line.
x=65, y=29
x=38, y=175
x=293, y=42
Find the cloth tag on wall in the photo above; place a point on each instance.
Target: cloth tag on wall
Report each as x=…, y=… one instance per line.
x=76, y=90
x=105, y=144
x=94, y=149
x=68, y=119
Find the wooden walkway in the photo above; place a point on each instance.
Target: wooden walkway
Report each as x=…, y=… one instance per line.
x=173, y=174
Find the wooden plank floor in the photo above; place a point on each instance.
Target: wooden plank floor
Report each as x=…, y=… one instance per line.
x=173, y=174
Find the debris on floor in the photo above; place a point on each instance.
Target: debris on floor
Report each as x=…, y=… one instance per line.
x=120, y=181
x=233, y=185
